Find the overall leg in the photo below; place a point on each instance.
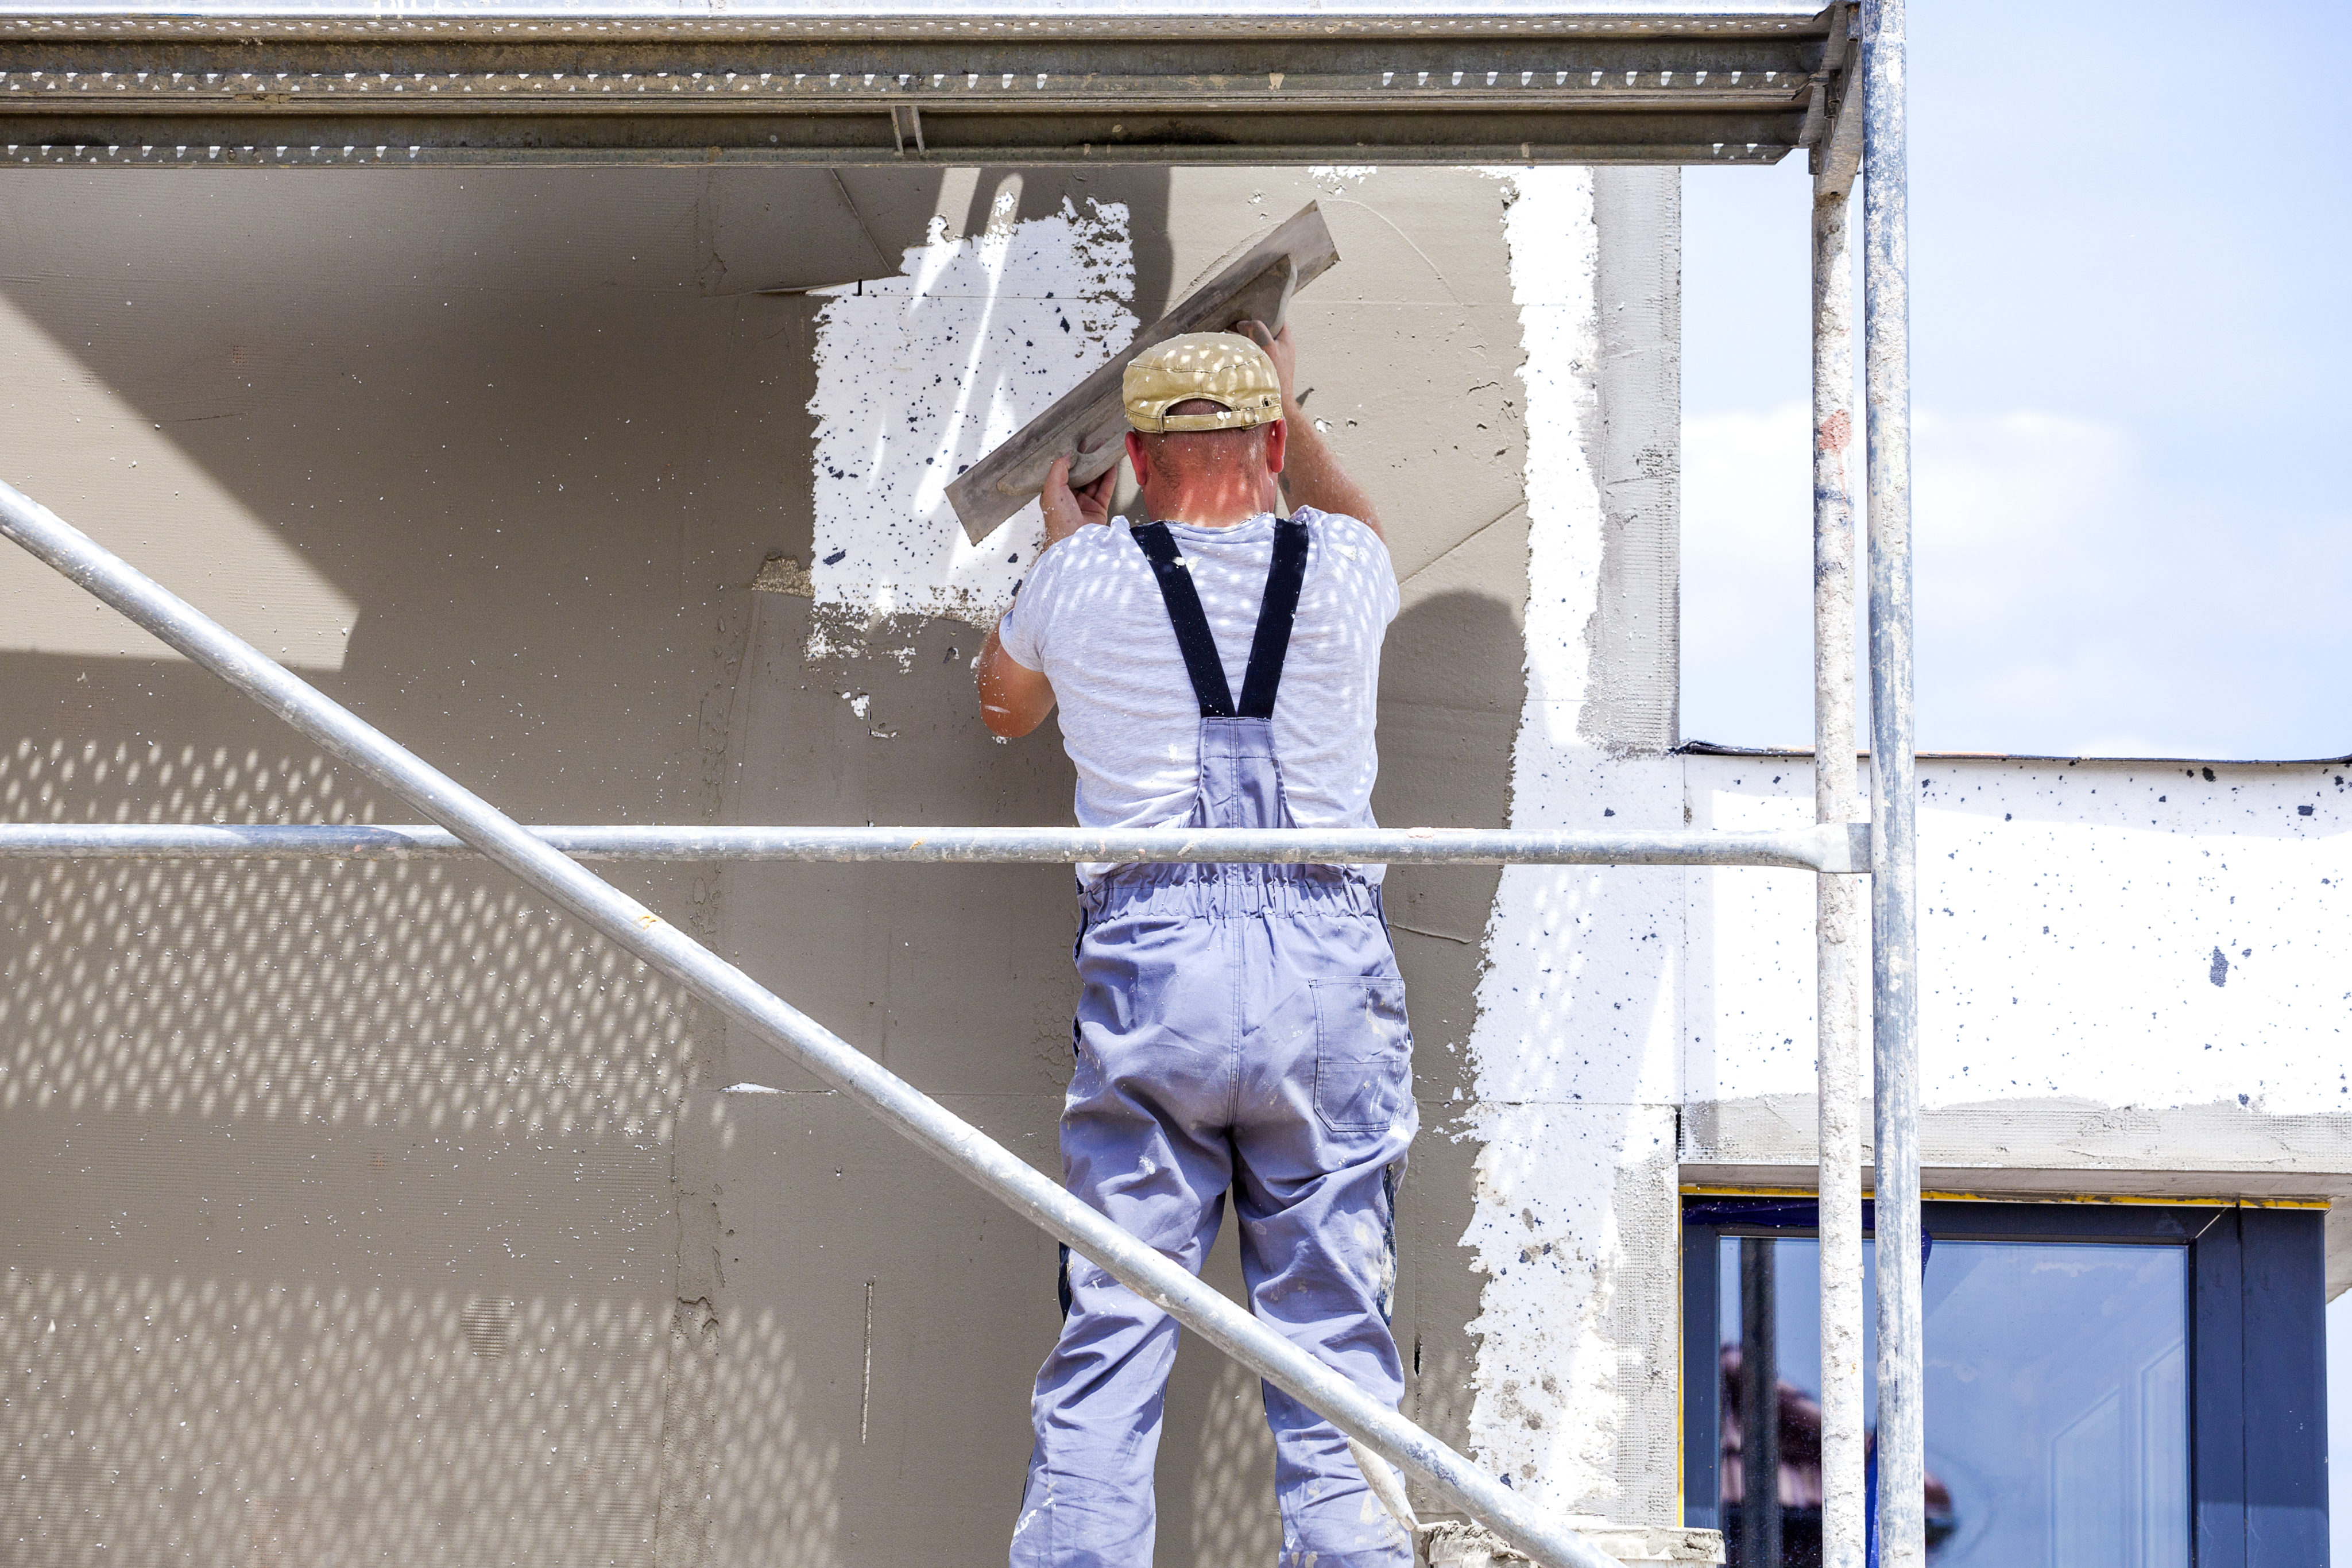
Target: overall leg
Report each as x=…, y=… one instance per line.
x=1142, y=1142
x=1328, y=1117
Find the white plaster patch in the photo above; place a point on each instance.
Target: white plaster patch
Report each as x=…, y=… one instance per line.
x=1572, y=1051
x=1548, y=1412
x=919, y=376
x=2131, y=934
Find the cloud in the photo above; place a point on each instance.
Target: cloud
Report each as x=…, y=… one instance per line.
x=2068, y=601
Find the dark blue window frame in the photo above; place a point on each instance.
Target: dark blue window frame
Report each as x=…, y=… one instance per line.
x=2258, y=1352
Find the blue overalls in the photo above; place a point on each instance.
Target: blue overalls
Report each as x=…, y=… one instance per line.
x=1242, y=1027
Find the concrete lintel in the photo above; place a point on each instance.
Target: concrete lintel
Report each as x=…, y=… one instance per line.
x=2058, y=1149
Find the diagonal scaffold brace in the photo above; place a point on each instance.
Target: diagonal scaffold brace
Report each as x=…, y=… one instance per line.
x=907, y=1110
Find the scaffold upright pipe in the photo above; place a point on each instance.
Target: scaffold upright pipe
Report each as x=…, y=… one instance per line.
x=922, y=1120
x=1841, y=939
x=1894, y=794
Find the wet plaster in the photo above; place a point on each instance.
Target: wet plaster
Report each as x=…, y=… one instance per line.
x=1573, y=1099
x=855, y=706
x=920, y=375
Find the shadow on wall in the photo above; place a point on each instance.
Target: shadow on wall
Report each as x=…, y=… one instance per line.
x=341, y=1210
x=432, y=999
x=282, y=1424
x=347, y=1218
x=369, y=1175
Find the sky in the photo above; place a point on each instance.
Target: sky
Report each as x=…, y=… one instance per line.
x=2130, y=323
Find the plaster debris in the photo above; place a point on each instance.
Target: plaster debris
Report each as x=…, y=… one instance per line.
x=917, y=377
x=1458, y=1544
x=783, y=574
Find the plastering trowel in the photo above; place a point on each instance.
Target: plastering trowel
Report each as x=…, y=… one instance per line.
x=1089, y=424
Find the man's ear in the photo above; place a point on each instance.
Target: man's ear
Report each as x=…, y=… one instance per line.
x=1278, y=438
x=1139, y=457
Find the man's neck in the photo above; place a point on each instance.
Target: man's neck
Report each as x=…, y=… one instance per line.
x=1222, y=509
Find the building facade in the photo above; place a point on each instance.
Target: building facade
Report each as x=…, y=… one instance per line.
x=373, y=1210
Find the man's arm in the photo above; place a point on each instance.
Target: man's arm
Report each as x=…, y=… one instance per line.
x=1014, y=698
x=1311, y=475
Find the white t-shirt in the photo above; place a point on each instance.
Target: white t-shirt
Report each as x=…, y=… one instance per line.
x=1091, y=618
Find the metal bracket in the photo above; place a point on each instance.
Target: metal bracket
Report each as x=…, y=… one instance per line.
x=906, y=121
x=1844, y=850
x=1833, y=119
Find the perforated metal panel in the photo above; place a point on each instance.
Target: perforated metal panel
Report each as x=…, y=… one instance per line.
x=299, y=85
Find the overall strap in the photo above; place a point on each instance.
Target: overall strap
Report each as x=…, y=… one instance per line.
x=1198, y=645
x=1272, y=643
x=1193, y=638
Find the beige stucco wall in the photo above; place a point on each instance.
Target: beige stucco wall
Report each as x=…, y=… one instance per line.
x=374, y=1212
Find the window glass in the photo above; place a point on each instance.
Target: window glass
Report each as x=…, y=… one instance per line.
x=2057, y=1401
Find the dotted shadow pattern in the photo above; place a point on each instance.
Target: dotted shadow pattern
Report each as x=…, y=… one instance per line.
x=432, y=994
x=342, y=1226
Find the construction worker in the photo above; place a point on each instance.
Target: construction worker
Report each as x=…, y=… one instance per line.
x=1239, y=1027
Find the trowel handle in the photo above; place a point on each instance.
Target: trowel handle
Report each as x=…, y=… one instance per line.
x=1097, y=454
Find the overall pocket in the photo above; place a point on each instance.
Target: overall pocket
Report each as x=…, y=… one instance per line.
x=1363, y=1054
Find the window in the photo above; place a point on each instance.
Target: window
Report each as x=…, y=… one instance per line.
x=2108, y=1385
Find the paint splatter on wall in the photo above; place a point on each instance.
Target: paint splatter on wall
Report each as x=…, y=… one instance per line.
x=917, y=376
x=2137, y=935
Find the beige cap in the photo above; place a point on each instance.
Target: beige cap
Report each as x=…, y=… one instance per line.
x=1225, y=368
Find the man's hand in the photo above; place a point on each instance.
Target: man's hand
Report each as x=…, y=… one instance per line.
x=1067, y=510
x=1311, y=475
x=1283, y=353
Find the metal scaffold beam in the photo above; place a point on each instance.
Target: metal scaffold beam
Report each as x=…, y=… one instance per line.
x=1838, y=850
x=1841, y=931
x=497, y=81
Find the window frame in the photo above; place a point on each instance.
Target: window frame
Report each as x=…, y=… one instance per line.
x=2257, y=1341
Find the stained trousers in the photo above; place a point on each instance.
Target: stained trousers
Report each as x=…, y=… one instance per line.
x=1242, y=1029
